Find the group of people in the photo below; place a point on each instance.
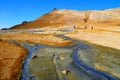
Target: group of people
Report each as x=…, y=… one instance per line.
x=86, y=27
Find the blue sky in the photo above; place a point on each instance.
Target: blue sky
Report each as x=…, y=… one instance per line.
x=13, y=12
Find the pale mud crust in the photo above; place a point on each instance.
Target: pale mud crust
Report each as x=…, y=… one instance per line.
x=107, y=45
x=11, y=59
x=101, y=37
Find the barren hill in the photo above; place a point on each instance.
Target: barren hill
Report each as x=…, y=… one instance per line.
x=67, y=18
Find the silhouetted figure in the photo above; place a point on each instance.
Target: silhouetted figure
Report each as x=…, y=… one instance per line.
x=92, y=27
x=85, y=27
x=74, y=27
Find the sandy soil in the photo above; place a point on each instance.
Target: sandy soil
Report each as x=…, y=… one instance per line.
x=101, y=37
x=109, y=37
x=48, y=39
x=11, y=58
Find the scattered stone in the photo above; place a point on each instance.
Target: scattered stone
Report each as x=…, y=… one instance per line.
x=34, y=57
x=54, y=55
x=66, y=71
x=62, y=57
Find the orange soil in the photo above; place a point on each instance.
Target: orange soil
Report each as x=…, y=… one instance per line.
x=36, y=38
x=11, y=58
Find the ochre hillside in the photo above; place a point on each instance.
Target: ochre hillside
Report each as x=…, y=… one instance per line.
x=67, y=18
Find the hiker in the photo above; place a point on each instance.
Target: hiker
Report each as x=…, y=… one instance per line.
x=92, y=27
x=74, y=27
x=85, y=27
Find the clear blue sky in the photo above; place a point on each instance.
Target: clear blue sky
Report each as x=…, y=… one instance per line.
x=13, y=12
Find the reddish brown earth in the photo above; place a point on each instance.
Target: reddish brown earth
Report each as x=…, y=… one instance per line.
x=11, y=59
x=48, y=39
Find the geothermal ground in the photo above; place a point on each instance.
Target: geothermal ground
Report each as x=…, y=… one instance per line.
x=78, y=54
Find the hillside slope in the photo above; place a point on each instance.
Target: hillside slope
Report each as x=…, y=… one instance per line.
x=67, y=18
